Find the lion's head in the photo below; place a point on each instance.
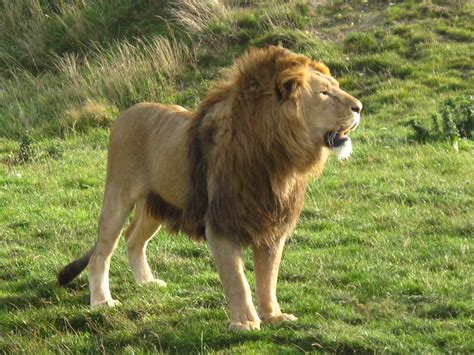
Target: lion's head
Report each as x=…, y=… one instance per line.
x=329, y=112
x=275, y=97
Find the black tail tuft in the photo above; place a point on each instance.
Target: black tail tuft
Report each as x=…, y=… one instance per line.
x=71, y=270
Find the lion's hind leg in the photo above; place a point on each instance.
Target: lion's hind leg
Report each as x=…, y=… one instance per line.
x=115, y=210
x=138, y=234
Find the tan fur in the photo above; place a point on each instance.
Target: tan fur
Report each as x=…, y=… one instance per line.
x=234, y=172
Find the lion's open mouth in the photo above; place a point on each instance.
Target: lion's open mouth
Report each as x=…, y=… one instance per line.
x=335, y=139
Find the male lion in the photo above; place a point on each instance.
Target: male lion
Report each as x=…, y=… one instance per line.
x=233, y=173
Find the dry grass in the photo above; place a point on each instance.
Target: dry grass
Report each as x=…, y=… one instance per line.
x=195, y=16
x=90, y=114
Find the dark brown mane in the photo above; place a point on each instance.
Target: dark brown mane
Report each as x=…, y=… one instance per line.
x=194, y=214
x=258, y=180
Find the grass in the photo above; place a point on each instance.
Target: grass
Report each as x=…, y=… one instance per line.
x=381, y=260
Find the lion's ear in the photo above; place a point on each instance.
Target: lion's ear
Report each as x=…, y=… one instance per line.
x=286, y=89
x=321, y=67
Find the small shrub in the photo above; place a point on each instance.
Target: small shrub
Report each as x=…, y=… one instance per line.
x=25, y=153
x=393, y=43
x=359, y=42
x=458, y=116
x=455, y=120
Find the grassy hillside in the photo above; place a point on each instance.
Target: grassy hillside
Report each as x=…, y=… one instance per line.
x=382, y=258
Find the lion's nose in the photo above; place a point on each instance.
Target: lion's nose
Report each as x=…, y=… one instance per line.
x=357, y=108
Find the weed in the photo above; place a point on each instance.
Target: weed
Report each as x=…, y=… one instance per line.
x=393, y=43
x=25, y=152
x=114, y=78
x=125, y=74
x=457, y=115
x=455, y=120
x=54, y=151
x=385, y=63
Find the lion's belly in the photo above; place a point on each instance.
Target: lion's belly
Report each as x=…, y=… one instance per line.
x=169, y=174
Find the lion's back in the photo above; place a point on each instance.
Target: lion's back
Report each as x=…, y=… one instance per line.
x=146, y=116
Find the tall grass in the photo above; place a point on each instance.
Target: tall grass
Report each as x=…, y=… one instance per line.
x=33, y=31
x=91, y=90
x=213, y=20
x=125, y=73
x=62, y=59
x=195, y=16
x=24, y=32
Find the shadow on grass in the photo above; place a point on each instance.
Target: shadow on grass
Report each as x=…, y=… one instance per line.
x=214, y=337
x=118, y=329
x=36, y=294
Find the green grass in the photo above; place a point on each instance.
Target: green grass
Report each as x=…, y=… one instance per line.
x=381, y=260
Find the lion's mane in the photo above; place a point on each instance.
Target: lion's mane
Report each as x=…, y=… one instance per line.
x=249, y=152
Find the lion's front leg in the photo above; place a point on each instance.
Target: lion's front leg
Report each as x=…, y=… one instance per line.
x=227, y=254
x=267, y=263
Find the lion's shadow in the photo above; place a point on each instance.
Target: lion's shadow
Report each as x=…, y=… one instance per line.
x=294, y=337
x=37, y=293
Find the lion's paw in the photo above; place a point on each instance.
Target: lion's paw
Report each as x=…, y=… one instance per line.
x=157, y=282
x=106, y=304
x=280, y=318
x=247, y=325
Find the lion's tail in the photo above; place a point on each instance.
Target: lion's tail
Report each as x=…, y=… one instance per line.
x=73, y=269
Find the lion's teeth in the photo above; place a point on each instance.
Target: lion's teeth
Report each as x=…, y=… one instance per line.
x=343, y=134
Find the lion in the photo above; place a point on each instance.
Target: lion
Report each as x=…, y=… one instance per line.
x=233, y=173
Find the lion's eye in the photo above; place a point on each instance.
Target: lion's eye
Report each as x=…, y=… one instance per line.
x=325, y=93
